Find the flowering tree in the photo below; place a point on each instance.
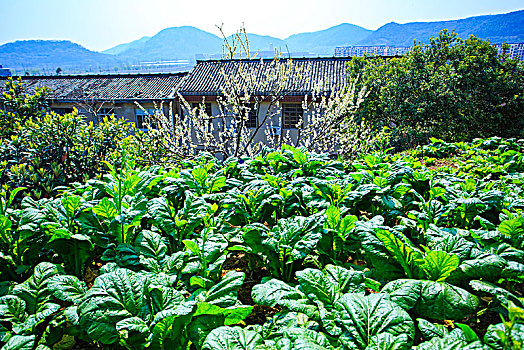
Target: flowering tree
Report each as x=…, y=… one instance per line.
x=245, y=88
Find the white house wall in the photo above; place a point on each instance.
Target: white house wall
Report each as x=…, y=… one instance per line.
x=263, y=109
x=128, y=111
x=121, y=110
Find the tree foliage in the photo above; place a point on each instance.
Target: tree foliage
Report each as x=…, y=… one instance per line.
x=327, y=124
x=40, y=149
x=19, y=107
x=451, y=88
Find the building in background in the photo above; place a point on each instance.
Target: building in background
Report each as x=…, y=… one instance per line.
x=98, y=96
x=516, y=50
x=4, y=72
x=357, y=51
x=206, y=81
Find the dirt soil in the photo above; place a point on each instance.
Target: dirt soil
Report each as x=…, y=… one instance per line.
x=440, y=163
x=239, y=262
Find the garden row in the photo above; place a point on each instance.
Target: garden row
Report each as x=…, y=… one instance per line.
x=287, y=250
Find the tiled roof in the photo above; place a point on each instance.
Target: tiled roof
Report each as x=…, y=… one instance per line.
x=134, y=87
x=208, y=76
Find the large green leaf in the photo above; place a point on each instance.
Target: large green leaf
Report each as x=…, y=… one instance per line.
x=20, y=342
x=498, y=334
x=387, y=341
x=134, y=331
x=169, y=325
x=106, y=209
x=438, y=265
x=363, y=317
x=439, y=239
x=12, y=309
x=164, y=298
x=514, y=272
x=317, y=286
x=513, y=229
x=487, y=267
x=429, y=299
x=201, y=326
x=401, y=250
x=233, y=314
x=232, y=338
x=224, y=293
x=35, y=290
x=163, y=214
x=328, y=285
x=151, y=244
x=449, y=343
x=275, y=292
x=499, y=294
x=430, y=330
x=200, y=175
x=461, y=337
x=67, y=288
x=114, y=297
x=5, y=232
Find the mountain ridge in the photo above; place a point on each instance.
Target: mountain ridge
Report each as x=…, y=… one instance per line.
x=187, y=42
x=115, y=50
x=497, y=28
x=487, y=27
x=52, y=54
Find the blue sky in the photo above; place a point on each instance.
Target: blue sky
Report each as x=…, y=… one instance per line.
x=101, y=24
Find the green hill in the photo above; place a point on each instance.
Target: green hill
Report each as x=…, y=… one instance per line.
x=176, y=42
x=508, y=27
x=186, y=42
x=132, y=45
x=51, y=54
x=323, y=42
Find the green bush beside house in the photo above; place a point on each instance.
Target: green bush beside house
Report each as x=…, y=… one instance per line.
x=451, y=88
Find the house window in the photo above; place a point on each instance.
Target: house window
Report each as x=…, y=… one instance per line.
x=252, y=117
x=207, y=108
x=291, y=115
x=145, y=119
x=62, y=111
x=101, y=114
x=105, y=112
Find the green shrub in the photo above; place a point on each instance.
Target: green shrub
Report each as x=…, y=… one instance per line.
x=40, y=150
x=19, y=107
x=56, y=150
x=450, y=88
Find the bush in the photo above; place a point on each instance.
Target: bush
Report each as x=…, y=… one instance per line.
x=57, y=150
x=19, y=107
x=40, y=150
x=451, y=88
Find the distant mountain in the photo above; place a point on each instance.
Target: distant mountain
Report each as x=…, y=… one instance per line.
x=508, y=27
x=51, y=54
x=184, y=43
x=172, y=43
x=324, y=42
x=263, y=42
x=137, y=44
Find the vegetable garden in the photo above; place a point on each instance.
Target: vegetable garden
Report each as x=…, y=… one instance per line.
x=288, y=250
